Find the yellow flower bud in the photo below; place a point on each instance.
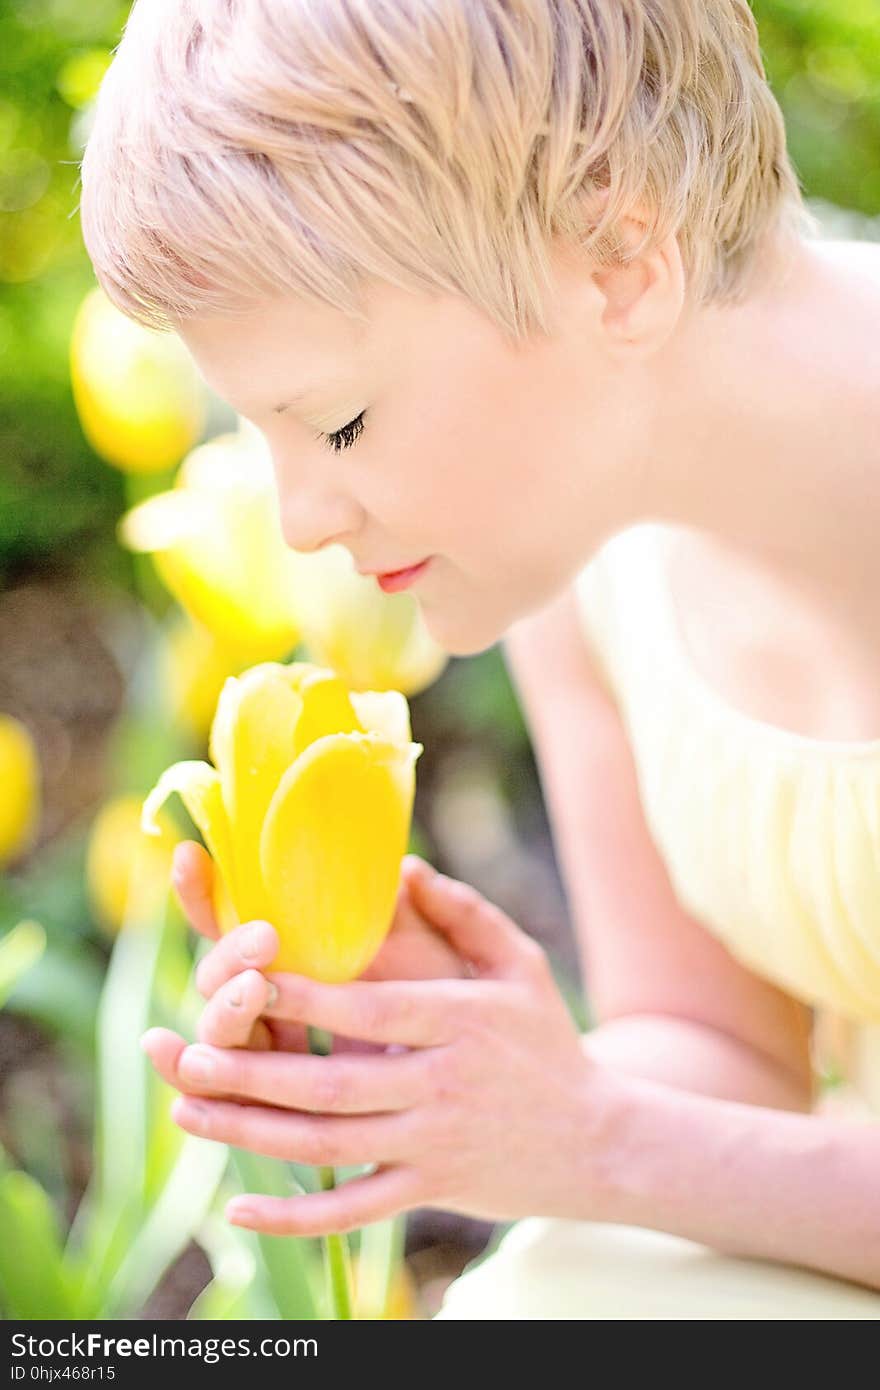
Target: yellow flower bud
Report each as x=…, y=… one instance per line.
x=140, y=399
x=20, y=782
x=126, y=869
x=373, y=640
x=195, y=666
x=306, y=810
x=217, y=545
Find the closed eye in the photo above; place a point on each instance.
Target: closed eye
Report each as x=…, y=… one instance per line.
x=345, y=437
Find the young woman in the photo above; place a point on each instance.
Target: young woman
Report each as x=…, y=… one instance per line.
x=527, y=291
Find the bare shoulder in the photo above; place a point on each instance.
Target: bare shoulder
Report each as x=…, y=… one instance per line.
x=860, y=256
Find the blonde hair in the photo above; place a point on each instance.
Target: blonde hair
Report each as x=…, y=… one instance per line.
x=250, y=147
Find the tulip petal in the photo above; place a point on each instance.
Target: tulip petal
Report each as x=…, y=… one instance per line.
x=332, y=842
x=384, y=712
x=218, y=547
x=265, y=719
x=327, y=706
x=198, y=785
x=252, y=745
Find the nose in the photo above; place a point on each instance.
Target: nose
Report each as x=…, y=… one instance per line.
x=312, y=516
x=309, y=525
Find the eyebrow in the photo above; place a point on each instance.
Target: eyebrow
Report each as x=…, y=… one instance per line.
x=312, y=389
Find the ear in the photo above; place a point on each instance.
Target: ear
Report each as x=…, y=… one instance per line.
x=643, y=297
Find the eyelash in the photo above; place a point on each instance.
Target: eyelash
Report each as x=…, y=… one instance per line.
x=348, y=435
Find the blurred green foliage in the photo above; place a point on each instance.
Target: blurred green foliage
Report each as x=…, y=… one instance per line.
x=822, y=58
x=58, y=506
x=56, y=501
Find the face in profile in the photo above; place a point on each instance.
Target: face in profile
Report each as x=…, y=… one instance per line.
x=424, y=432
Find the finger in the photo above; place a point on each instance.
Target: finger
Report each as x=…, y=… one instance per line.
x=192, y=875
x=346, y=1085
x=353, y=1204
x=479, y=930
x=314, y=1139
x=252, y=945
x=417, y=1013
x=231, y=1016
x=165, y=1049
x=413, y=950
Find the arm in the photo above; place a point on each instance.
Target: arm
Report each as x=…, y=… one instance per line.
x=801, y=1189
x=671, y=1003
x=698, y=1141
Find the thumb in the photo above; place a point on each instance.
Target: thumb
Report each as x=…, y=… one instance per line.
x=192, y=874
x=479, y=931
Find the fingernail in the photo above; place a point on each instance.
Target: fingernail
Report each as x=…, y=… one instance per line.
x=240, y=1211
x=235, y=995
x=196, y=1065
x=272, y=996
x=255, y=940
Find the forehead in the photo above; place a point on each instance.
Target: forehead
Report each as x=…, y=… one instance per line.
x=279, y=344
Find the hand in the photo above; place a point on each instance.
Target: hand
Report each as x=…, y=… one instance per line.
x=487, y=1105
x=229, y=975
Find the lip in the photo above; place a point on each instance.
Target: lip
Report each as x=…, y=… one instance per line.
x=391, y=581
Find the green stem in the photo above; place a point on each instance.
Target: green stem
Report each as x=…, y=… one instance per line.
x=337, y=1262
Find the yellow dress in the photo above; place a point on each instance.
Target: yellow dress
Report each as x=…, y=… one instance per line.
x=772, y=840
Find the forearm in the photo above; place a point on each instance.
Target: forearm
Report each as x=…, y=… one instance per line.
x=742, y=1178
x=689, y=1055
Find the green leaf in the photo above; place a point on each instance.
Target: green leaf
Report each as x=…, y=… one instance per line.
x=20, y=948
x=239, y=1288
x=170, y=1225
x=379, y=1252
x=114, y=1205
x=61, y=991
x=290, y=1260
x=33, y=1278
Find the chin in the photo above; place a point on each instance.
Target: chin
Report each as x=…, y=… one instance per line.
x=460, y=638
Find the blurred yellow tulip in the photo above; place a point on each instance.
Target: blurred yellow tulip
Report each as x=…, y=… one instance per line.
x=403, y=1303
x=140, y=399
x=373, y=640
x=306, y=811
x=126, y=869
x=194, y=667
x=218, y=547
x=20, y=780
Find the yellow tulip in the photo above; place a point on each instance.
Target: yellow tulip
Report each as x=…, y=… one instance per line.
x=125, y=868
x=140, y=399
x=306, y=811
x=20, y=782
x=217, y=544
x=195, y=666
x=373, y=640
x=402, y=1304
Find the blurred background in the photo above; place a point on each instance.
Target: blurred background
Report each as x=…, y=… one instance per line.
x=109, y=671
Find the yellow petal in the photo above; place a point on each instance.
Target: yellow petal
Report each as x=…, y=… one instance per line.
x=375, y=641
x=117, y=846
x=139, y=397
x=327, y=707
x=195, y=666
x=20, y=783
x=333, y=839
x=252, y=746
x=218, y=547
x=198, y=785
x=384, y=712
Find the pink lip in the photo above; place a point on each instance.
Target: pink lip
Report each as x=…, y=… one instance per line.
x=391, y=581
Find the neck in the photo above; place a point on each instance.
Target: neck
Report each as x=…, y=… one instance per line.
x=763, y=421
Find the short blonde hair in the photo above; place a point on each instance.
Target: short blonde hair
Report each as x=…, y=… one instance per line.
x=250, y=147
